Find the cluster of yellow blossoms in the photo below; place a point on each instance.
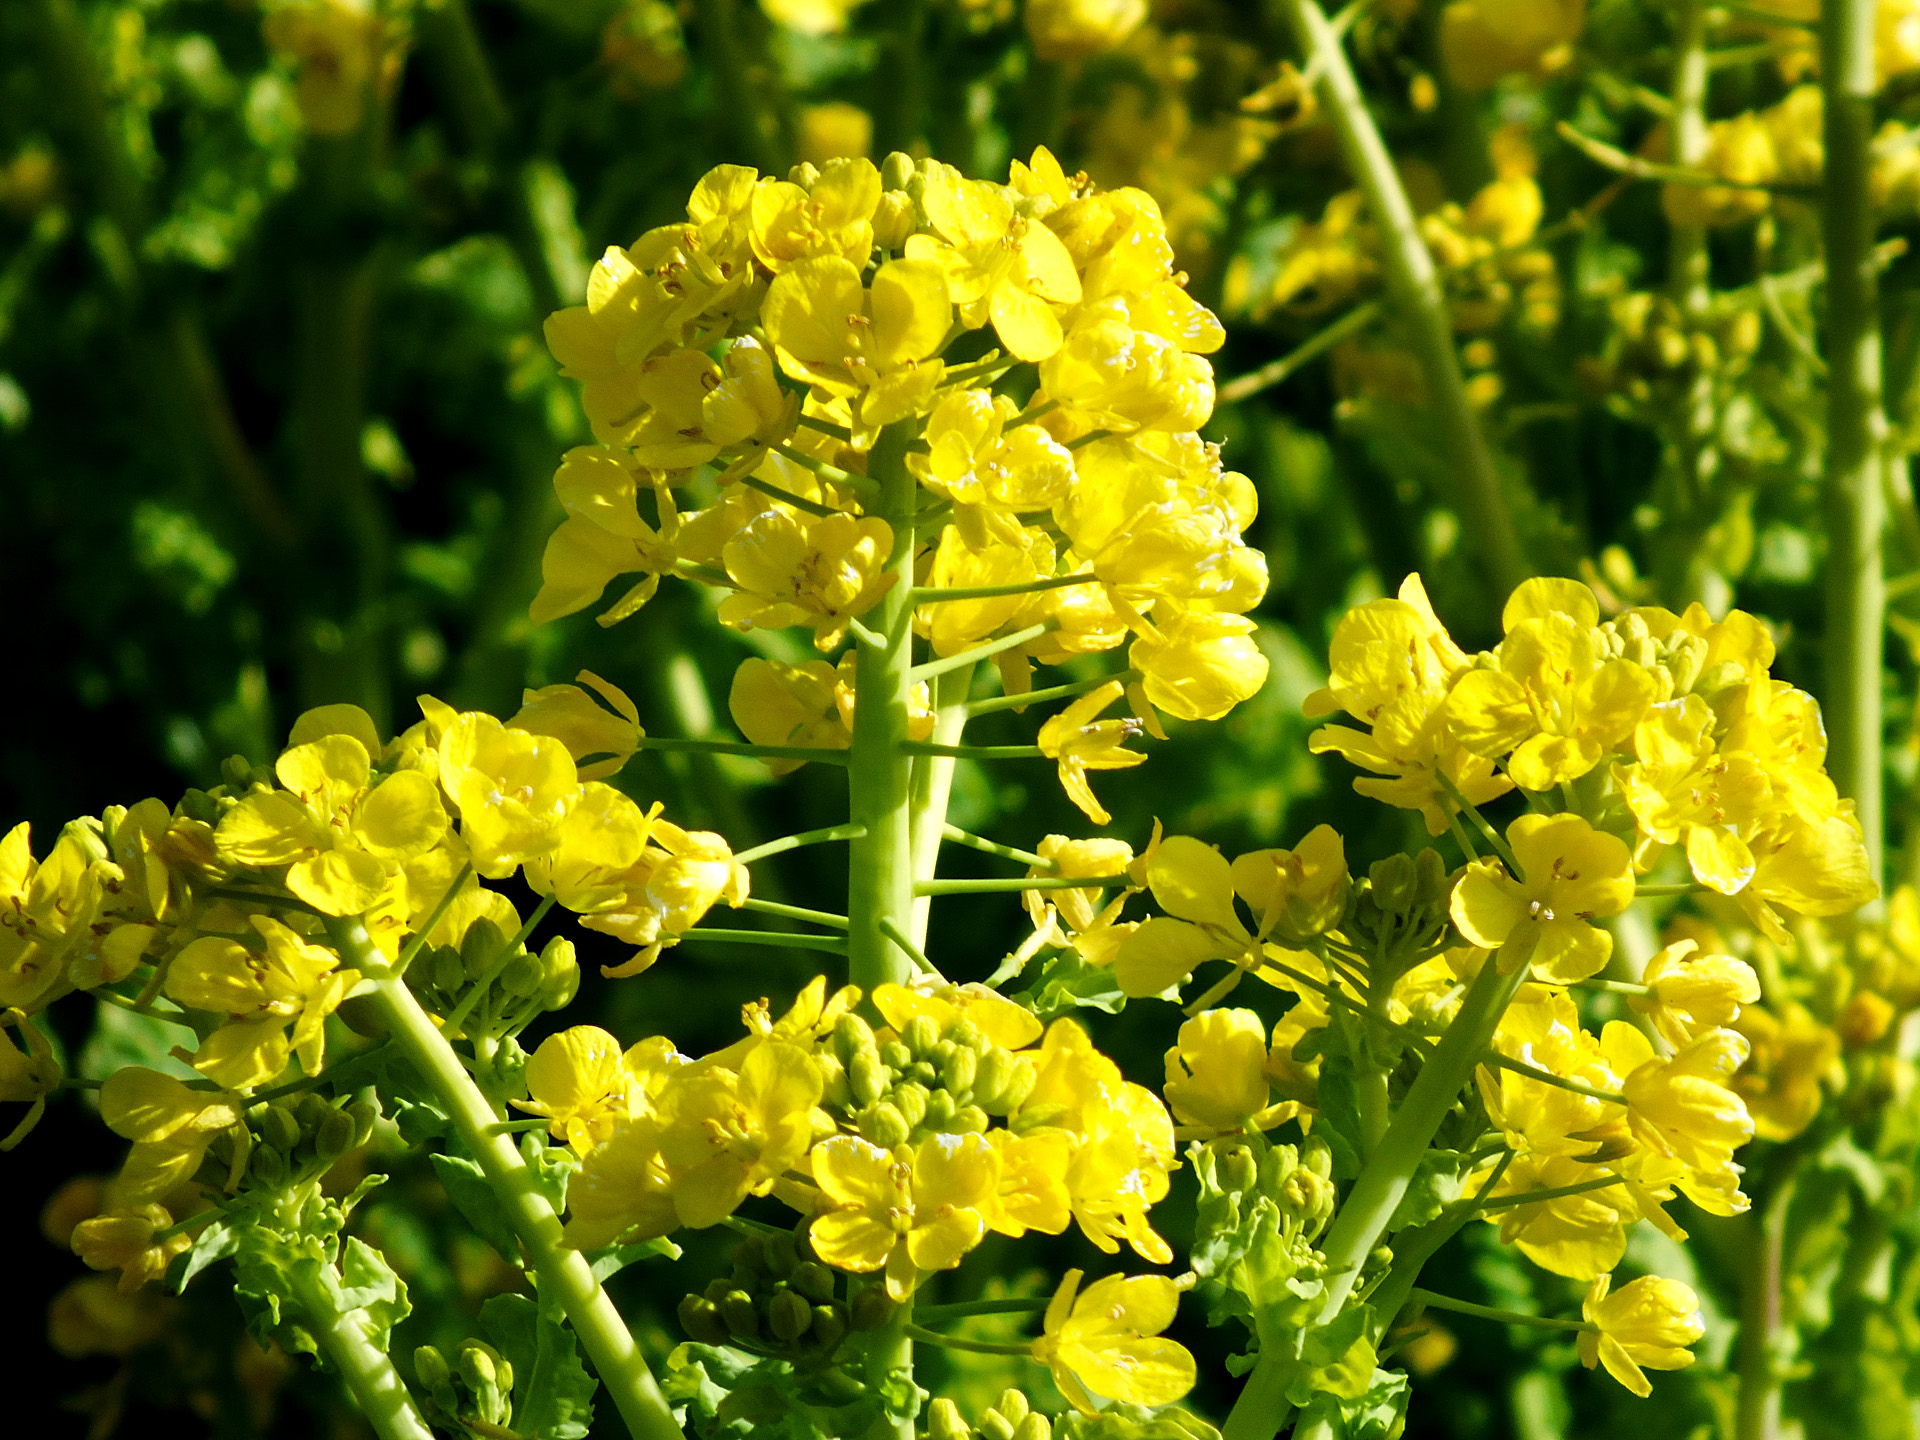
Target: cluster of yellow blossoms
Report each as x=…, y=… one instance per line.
x=760, y=354
x=216, y=912
x=883, y=1141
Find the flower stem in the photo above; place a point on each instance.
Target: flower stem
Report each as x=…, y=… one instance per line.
x=1274, y=371
x=562, y=1273
x=1414, y=285
x=933, y=785
x=774, y=939
x=1547, y=1077
x=994, y=847
x=983, y=652
x=1856, y=424
x=1362, y=1219
x=938, y=594
x=1052, y=692
x=795, y=912
x=375, y=1385
x=823, y=836
x=757, y=752
x=1487, y=1312
x=1012, y=883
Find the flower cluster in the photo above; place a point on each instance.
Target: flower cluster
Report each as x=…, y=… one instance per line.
x=759, y=376
x=883, y=1141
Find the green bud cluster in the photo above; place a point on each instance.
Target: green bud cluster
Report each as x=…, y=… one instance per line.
x=525, y=985
x=477, y=1387
x=1261, y=1209
x=924, y=1081
x=1010, y=1417
x=1398, y=912
x=296, y=1140
x=781, y=1299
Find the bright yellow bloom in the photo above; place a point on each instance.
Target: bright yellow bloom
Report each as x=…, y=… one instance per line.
x=1198, y=665
x=874, y=347
x=833, y=216
x=1001, y=1021
x=260, y=990
x=1574, y=875
x=622, y=1189
x=1305, y=887
x=1216, y=1077
x=1579, y=1236
x=1689, y=994
x=999, y=265
x=907, y=1212
x=1649, y=1322
x=1033, y=1182
x=678, y=877
x=27, y=1076
x=792, y=569
x=123, y=1240
x=596, y=847
x=1682, y=1107
x=812, y=17
x=604, y=536
x=775, y=703
x=727, y=1135
x=1682, y=790
x=1111, y=375
x=170, y=1125
x=587, y=727
x=585, y=1085
x=1106, y=1340
x=1553, y=701
x=1014, y=556
x=51, y=919
x=1739, y=149
x=511, y=789
x=1811, y=867
x=1080, y=743
x=991, y=473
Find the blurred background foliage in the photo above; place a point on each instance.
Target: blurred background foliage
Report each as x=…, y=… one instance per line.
x=277, y=428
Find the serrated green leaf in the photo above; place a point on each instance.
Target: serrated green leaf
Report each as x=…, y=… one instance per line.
x=552, y=1391
x=466, y=1186
x=1068, y=983
x=367, y=1284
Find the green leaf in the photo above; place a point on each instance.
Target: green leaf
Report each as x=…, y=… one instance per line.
x=1435, y=1185
x=466, y=1185
x=1068, y=983
x=367, y=1284
x=215, y=1243
x=610, y=1262
x=121, y=1038
x=1378, y=1412
x=552, y=1391
x=1340, y=1114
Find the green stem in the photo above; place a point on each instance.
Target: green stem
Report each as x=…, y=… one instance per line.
x=377, y=1389
x=939, y=594
x=1362, y=1220
x=1414, y=285
x=994, y=847
x=1534, y=1197
x=1487, y=1312
x=977, y=1347
x=757, y=752
x=994, y=887
x=773, y=939
x=933, y=787
x=1052, y=692
x=983, y=652
x=1309, y=350
x=562, y=1273
x=1856, y=425
x=823, y=836
x=975, y=752
x=1757, y=1412
x=1498, y=1061
x=795, y=912
x=960, y=1309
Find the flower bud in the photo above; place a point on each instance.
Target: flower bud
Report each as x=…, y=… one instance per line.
x=944, y=1422
x=365, y=1113
x=939, y=1110
x=778, y=1254
x=1034, y=1427
x=560, y=974
x=914, y=1103
x=968, y=1120
x=895, y=1055
x=267, y=1167
x=1013, y=1406
x=1036, y=1117
x=965, y=1034
x=750, y=1261
x=279, y=1127
x=813, y=1280
x=920, y=1036
x=871, y=1308
x=334, y=1137
x=957, y=1072
x=789, y=1316
x=523, y=976
x=477, y=1364
x=448, y=973
x=883, y=1125
x=894, y=220
x=480, y=947
x=852, y=1036
x=806, y=175
x=896, y=170
x=740, y=1315
x=700, y=1318
x=1395, y=884
x=430, y=1368
x=867, y=1078
x=829, y=1325
x=834, y=1089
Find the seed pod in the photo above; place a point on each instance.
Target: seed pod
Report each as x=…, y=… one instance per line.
x=778, y=1255
x=740, y=1315
x=279, y=1127
x=883, y=1125
x=334, y=1138
x=813, y=1280
x=480, y=947
x=958, y=1070
x=789, y=1316
x=871, y=1308
x=867, y=1078
x=912, y=1101
x=829, y=1325
x=944, y=1421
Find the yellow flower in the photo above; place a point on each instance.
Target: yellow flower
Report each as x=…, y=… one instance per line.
x=775, y=703
x=907, y=1212
x=1216, y=1077
x=1106, y=1341
x=1553, y=701
x=1649, y=1322
x=999, y=265
x=1574, y=874
x=1194, y=884
x=990, y=473
x=1791, y=1055
x=876, y=346
x=1033, y=1182
x=1738, y=149
x=588, y=728
x=1305, y=887
x=812, y=17
x=1016, y=557
x=790, y=569
x=28, y=1076
x=1073, y=29
x=1080, y=743
x=1809, y=866
x=170, y=1125
x=1579, y=1236
x=123, y=1240
x=1681, y=1107
x=727, y=1135
x=596, y=847
x=678, y=877
x=51, y=919
x=1110, y=374
x=1687, y=994
x=341, y=50
x=511, y=789
x=1001, y=1021
x=585, y=1085
x=603, y=536
x=260, y=991
x=1198, y=665
x=833, y=216
x=622, y=1190
x=1482, y=40
x=1683, y=790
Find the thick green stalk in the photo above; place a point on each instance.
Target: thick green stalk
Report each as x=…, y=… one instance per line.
x=1757, y=1413
x=1856, y=424
x=561, y=1272
x=933, y=783
x=879, y=769
x=377, y=1389
x=1415, y=286
x=1362, y=1220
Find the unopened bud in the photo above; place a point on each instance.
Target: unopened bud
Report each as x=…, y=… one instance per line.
x=448, y=973
x=521, y=979
x=778, y=1254
x=1034, y=1427
x=968, y=1120
x=366, y=1116
x=279, y=1127
x=852, y=1036
x=829, y=1325
x=914, y=1103
x=894, y=220
x=700, y=1318
x=789, y=1316
x=1395, y=884
x=958, y=1070
x=895, y=1055
x=480, y=947
x=938, y=1111
x=741, y=1316
x=867, y=1078
x=477, y=1365
x=871, y=1308
x=896, y=170
x=806, y=175
x=267, y=1166
x=944, y=1421
x=883, y=1125
x=559, y=973
x=1012, y=1406
x=920, y=1036
x=334, y=1137
x=813, y=1280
